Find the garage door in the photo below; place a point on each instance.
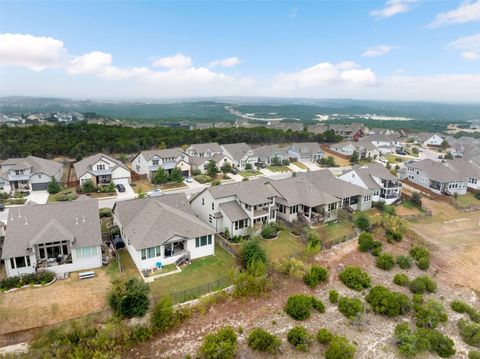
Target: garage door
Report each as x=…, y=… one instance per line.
x=123, y=180
x=39, y=186
x=185, y=173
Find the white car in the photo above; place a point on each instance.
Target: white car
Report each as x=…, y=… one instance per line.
x=188, y=179
x=155, y=193
x=382, y=159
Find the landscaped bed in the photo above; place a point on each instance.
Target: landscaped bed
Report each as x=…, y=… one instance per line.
x=332, y=232
x=68, y=194
x=284, y=246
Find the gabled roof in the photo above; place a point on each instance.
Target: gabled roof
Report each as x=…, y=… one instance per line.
x=203, y=147
x=305, y=148
x=326, y=181
x=37, y=164
x=233, y=211
x=424, y=136
x=375, y=169
x=465, y=166
x=151, y=222
x=197, y=161
x=268, y=151
x=85, y=165
x=162, y=153
x=249, y=192
x=367, y=145
x=317, y=129
x=237, y=150
x=28, y=225
x=342, y=144
x=437, y=171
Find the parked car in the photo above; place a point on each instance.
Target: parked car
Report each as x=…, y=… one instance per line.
x=120, y=187
x=382, y=159
x=401, y=152
x=260, y=165
x=188, y=179
x=155, y=193
x=234, y=171
x=2, y=207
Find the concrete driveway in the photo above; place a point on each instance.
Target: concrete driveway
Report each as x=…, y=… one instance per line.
x=312, y=166
x=128, y=194
x=39, y=197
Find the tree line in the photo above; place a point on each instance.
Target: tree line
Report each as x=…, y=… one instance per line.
x=82, y=139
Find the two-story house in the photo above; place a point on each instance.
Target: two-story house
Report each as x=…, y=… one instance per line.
x=468, y=168
x=381, y=183
x=429, y=139
x=307, y=151
x=162, y=230
x=204, y=149
x=240, y=153
x=436, y=176
x=148, y=162
x=30, y=173
x=235, y=207
x=201, y=163
x=59, y=237
x=102, y=169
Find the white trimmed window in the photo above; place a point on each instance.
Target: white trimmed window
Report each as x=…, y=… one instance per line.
x=86, y=252
x=203, y=241
x=151, y=252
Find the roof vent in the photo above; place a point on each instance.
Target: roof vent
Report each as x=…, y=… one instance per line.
x=83, y=218
x=76, y=220
x=26, y=222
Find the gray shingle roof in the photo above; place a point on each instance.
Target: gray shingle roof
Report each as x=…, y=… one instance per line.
x=85, y=165
x=465, y=167
x=250, y=192
x=237, y=150
x=269, y=151
x=437, y=171
x=201, y=160
x=203, y=147
x=325, y=180
x=233, y=210
x=150, y=222
x=375, y=169
x=39, y=165
x=164, y=153
x=77, y=220
x=305, y=148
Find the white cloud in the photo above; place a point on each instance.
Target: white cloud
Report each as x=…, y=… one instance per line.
x=392, y=8
x=468, y=11
x=377, y=51
x=227, y=62
x=177, y=61
x=33, y=52
x=469, y=47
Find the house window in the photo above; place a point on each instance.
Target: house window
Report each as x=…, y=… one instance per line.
x=241, y=224
x=210, y=218
x=86, y=252
x=20, y=262
x=100, y=167
x=213, y=206
x=151, y=252
x=155, y=162
x=203, y=201
x=203, y=241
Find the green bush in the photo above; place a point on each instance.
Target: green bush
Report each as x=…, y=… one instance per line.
x=333, y=296
x=438, y=343
x=252, y=252
x=470, y=332
x=253, y=281
x=385, y=261
x=219, y=345
x=376, y=251
x=401, y=279
x=299, y=306
x=423, y=263
x=315, y=276
x=163, y=316
x=430, y=314
x=53, y=186
x=462, y=307
x=202, y=179
x=422, y=284
x=365, y=242
x=313, y=243
x=105, y=212
x=129, y=298
x=394, y=236
x=355, y=278
x=269, y=231
x=88, y=186
x=299, y=338
x=362, y=221
x=216, y=182
x=261, y=340
x=324, y=336
x=350, y=307
x=404, y=262
x=39, y=278
x=474, y=354
x=421, y=256
x=340, y=348
x=383, y=301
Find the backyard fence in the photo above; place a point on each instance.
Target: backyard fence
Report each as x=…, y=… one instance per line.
x=331, y=244
x=197, y=292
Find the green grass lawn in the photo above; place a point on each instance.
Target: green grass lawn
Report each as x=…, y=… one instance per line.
x=331, y=232
x=249, y=173
x=466, y=200
x=126, y=263
x=300, y=165
x=200, y=272
x=282, y=247
x=394, y=159
x=278, y=168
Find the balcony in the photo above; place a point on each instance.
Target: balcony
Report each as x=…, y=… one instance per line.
x=391, y=184
x=260, y=212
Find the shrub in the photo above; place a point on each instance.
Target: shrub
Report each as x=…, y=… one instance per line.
x=377, y=249
x=299, y=306
x=105, y=212
x=401, y=279
x=313, y=243
x=333, y=296
x=416, y=199
x=350, y=307
x=340, y=348
x=219, y=345
x=422, y=285
x=355, y=278
x=423, y=263
x=438, y=343
x=462, y=307
x=292, y=267
x=261, y=340
x=88, y=186
x=362, y=221
x=430, y=314
x=404, y=262
x=385, y=261
x=269, y=231
x=163, y=316
x=299, y=338
x=474, y=354
x=253, y=281
x=383, y=301
x=53, y=186
x=129, y=298
x=252, y=252
x=39, y=278
x=470, y=332
x=365, y=242
x=324, y=336
x=315, y=276
x=202, y=178
x=394, y=237
x=421, y=256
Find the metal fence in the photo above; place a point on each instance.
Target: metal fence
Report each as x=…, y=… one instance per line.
x=194, y=293
x=331, y=244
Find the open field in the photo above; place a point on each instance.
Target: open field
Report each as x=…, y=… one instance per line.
x=284, y=246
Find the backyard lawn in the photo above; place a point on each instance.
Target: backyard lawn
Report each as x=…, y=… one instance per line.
x=249, y=173
x=282, y=247
x=300, y=165
x=466, y=200
x=278, y=168
x=200, y=272
x=331, y=232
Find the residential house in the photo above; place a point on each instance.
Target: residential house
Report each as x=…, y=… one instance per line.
x=463, y=146
x=345, y=148
x=364, y=149
x=148, y=162
x=204, y=149
x=382, y=184
x=429, y=139
x=162, y=230
x=240, y=153
x=287, y=126
x=30, y=173
x=59, y=237
x=267, y=153
x=318, y=129
x=468, y=168
x=201, y=163
x=351, y=132
x=235, y=207
x=308, y=151
x=436, y=176
x=102, y=169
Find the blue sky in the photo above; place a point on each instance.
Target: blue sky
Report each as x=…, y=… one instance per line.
x=390, y=49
